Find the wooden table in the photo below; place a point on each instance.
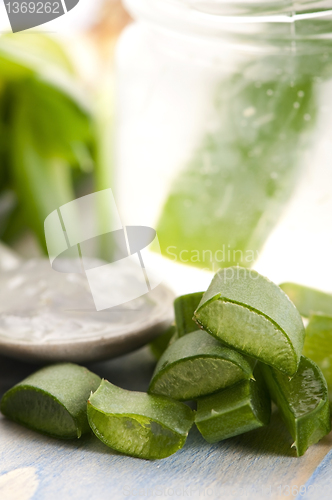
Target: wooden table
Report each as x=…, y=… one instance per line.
x=257, y=465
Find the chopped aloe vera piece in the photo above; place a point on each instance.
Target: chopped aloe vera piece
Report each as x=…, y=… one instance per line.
x=197, y=365
x=308, y=300
x=317, y=345
x=138, y=424
x=235, y=410
x=254, y=316
x=302, y=402
x=159, y=345
x=52, y=400
x=184, y=308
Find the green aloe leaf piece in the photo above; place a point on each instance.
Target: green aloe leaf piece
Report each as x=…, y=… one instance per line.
x=196, y=365
x=302, y=401
x=159, y=345
x=52, y=400
x=184, y=308
x=317, y=345
x=138, y=424
x=253, y=315
x=235, y=410
x=308, y=300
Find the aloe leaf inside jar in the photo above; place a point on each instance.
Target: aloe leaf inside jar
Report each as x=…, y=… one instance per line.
x=308, y=300
x=230, y=194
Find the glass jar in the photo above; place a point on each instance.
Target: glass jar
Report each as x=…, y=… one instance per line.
x=224, y=133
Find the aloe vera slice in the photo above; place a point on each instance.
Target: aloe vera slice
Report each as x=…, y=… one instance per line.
x=317, y=345
x=197, y=365
x=233, y=411
x=184, y=308
x=138, y=424
x=159, y=345
x=308, y=300
x=302, y=401
x=52, y=400
x=254, y=316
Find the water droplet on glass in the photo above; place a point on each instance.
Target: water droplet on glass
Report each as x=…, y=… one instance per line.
x=307, y=117
x=296, y=105
x=269, y=92
x=300, y=93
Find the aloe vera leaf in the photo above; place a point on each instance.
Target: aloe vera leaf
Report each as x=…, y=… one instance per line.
x=233, y=411
x=196, y=365
x=308, y=300
x=302, y=401
x=138, y=424
x=254, y=316
x=317, y=345
x=159, y=345
x=52, y=400
x=184, y=308
x=223, y=205
x=42, y=184
x=67, y=130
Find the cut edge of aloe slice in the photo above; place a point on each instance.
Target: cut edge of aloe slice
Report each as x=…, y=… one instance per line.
x=10, y=406
x=165, y=382
x=289, y=367
x=323, y=417
x=197, y=365
x=145, y=432
x=144, y=428
x=296, y=423
x=235, y=410
x=52, y=399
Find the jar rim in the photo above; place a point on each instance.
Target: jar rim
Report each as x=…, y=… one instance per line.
x=258, y=10
x=230, y=11
x=193, y=17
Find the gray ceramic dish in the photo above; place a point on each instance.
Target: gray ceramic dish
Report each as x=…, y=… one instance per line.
x=47, y=316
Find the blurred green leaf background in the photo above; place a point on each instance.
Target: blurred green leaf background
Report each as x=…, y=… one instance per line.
x=49, y=144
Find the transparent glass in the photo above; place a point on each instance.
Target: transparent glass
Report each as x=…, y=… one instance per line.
x=224, y=133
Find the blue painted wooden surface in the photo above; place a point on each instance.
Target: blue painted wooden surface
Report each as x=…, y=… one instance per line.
x=257, y=465
x=319, y=486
